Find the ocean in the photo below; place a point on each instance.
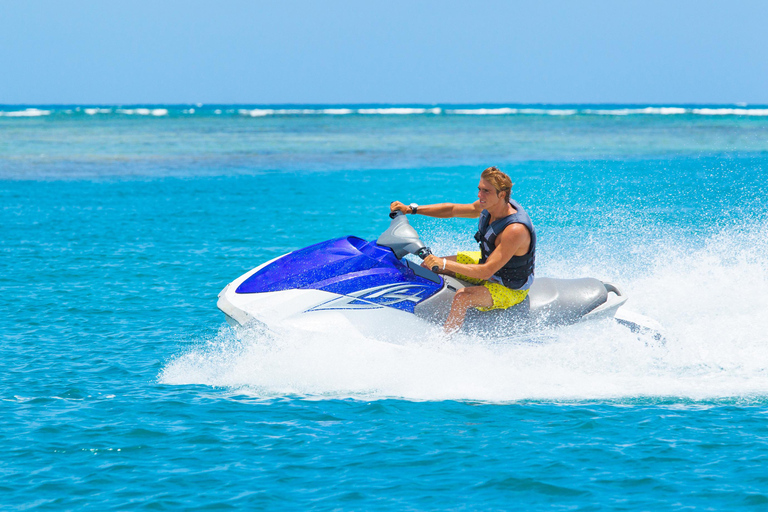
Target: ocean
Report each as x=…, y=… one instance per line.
x=124, y=388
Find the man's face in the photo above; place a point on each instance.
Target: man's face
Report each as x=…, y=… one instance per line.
x=487, y=195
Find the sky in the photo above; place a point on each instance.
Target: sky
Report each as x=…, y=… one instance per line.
x=401, y=52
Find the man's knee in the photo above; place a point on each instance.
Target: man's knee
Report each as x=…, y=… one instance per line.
x=471, y=296
x=463, y=297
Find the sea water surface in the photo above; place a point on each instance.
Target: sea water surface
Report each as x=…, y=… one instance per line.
x=123, y=387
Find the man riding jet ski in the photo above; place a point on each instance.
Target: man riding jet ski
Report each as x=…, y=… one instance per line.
x=371, y=287
x=502, y=271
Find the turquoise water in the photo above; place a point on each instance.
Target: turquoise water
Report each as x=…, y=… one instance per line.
x=122, y=386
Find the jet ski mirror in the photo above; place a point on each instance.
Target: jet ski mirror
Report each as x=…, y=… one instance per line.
x=402, y=238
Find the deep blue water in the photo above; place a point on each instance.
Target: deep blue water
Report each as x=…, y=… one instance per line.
x=122, y=386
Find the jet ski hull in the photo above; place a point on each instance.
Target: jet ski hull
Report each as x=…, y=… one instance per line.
x=550, y=303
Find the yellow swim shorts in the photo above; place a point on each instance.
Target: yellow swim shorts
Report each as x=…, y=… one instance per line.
x=503, y=297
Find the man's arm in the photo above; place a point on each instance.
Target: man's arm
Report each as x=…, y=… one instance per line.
x=442, y=210
x=515, y=240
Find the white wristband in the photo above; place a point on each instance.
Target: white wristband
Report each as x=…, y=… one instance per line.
x=443, y=263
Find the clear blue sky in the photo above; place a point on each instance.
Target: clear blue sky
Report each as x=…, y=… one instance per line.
x=138, y=51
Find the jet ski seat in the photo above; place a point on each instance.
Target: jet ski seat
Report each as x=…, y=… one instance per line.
x=549, y=302
x=565, y=300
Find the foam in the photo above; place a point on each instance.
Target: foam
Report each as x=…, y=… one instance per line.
x=256, y=112
x=667, y=111
x=261, y=112
x=549, y=112
x=711, y=297
x=29, y=112
x=659, y=111
x=731, y=111
x=662, y=111
x=504, y=111
x=157, y=112
x=336, y=111
x=406, y=111
x=483, y=111
x=398, y=111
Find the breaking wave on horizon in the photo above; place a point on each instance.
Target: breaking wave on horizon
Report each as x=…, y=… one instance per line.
x=12, y=111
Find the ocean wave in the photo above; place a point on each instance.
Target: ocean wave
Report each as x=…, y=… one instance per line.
x=506, y=111
x=549, y=112
x=143, y=111
x=29, y=112
x=661, y=111
x=333, y=111
x=566, y=111
x=94, y=111
x=658, y=111
x=483, y=111
x=730, y=111
x=396, y=111
x=256, y=112
x=261, y=112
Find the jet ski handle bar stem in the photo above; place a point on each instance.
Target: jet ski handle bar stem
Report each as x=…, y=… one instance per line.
x=424, y=251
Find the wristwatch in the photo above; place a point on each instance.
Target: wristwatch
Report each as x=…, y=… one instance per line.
x=414, y=207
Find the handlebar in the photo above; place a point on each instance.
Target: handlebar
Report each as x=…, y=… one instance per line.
x=423, y=253
x=402, y=248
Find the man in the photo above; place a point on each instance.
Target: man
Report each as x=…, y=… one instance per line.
x=503, y=268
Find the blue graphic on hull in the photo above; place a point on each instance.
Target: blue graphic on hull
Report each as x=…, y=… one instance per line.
x=377, y=297
x=367, y=275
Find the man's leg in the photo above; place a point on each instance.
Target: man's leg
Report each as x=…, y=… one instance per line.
x=469, y=297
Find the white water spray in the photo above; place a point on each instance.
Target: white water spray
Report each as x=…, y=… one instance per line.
x=711, y=298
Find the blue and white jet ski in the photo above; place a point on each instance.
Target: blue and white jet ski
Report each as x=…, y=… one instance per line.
x=351, y=283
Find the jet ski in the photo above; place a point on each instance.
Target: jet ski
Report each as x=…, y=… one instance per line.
x=373, y=287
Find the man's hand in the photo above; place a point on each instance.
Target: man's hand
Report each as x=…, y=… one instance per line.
x=433, y=261
x=398, y=206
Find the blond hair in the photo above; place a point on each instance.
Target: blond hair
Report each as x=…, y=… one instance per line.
x=499, y=180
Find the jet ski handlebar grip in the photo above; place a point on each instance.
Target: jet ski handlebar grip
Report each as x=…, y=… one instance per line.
x=395, y=213
x=423, y=253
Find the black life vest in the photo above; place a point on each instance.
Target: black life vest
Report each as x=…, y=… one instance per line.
x=518, y=269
